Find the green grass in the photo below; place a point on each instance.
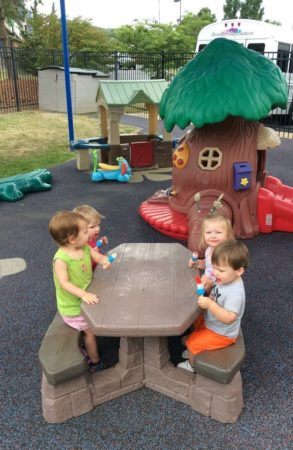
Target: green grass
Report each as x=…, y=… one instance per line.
x=34, y=139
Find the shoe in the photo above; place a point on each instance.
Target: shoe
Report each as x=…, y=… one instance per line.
x=186, y=366
x=97, y=367
x=185, y=354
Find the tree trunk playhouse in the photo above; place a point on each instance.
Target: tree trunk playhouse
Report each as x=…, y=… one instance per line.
x=224, y=92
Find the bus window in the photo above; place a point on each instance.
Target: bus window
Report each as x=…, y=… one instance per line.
x=283, y=56
x=260, y=48
x=201, y=47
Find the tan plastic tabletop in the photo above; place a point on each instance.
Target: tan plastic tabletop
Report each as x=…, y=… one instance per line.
x=148, y=291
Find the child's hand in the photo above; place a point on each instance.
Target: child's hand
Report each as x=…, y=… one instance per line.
x=204, y=302
x=106, y=265
x=102, y=241
x=193, y=260
x=207, y=283
x=90, y=299
x=191, y=263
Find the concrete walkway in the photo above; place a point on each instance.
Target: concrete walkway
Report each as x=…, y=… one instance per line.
x=142, y=123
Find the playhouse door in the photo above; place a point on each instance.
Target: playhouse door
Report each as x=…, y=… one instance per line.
x=141, y=154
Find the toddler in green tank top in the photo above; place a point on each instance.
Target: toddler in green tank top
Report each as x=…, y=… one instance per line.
x=72, y=270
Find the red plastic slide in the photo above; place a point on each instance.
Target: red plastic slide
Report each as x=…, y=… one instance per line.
x=275, y=206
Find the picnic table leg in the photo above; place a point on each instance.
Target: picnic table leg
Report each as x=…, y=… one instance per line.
x=126, y=376
x=130, y=365
x=160, y=373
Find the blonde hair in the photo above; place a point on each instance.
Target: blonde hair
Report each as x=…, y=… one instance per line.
x=65, y=224
x=215, y=217
x=89, y=213
x=231, y=252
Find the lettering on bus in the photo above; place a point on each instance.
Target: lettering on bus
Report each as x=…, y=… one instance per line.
x=233, y=32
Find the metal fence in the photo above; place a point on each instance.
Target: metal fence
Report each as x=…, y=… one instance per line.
x=19, y=74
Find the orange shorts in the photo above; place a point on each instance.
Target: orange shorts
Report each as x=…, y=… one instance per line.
x=204, y=339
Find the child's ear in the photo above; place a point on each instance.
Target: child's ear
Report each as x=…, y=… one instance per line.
x=71, y=239
x=240, y=271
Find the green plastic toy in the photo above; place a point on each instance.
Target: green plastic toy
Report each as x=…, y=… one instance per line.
x=14, y=188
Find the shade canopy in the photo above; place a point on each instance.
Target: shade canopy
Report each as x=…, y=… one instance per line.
x=225, y=79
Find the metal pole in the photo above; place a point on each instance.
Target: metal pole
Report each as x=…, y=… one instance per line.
x=15, y=78
x=176, y=1
x=159, y=11
x=163, y=64
x=116, y=65
x=66, y=71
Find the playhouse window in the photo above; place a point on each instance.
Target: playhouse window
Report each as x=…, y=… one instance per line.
x=210, y=158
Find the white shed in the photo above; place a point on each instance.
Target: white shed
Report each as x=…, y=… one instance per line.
x=84, y=88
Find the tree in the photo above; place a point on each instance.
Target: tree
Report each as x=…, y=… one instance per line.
x=44, y=31
x=145, y=36
x=84, y=36
x=10, y=11
x=190, y=26
x=251, y=9
x=34, y=7
x=151, y=36
x=206, y=14
x=248, y=9
x=231, y=8
x=144, y=43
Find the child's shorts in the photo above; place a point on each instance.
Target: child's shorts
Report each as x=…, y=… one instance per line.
x=77, y=322
x=204, y=339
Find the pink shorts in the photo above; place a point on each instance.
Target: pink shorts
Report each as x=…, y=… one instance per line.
x=77, y=322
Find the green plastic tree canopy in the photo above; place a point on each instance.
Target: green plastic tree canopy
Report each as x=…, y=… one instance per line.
x=225, y=79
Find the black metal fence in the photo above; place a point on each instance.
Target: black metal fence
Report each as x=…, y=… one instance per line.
x=19, y=74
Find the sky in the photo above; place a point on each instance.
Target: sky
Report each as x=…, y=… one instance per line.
x=114, y=13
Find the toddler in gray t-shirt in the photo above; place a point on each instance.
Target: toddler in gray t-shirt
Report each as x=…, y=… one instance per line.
x=224, y=308
x=231, y=297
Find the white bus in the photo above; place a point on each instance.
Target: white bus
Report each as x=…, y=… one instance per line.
x=273, y=41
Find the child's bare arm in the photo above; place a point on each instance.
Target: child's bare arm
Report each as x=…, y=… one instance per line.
x=100, y=259
x=222, y=314
x=61, y=273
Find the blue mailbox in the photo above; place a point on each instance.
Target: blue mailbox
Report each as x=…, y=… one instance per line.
x=241, y=176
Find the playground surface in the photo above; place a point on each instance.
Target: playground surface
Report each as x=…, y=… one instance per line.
x=143, y=419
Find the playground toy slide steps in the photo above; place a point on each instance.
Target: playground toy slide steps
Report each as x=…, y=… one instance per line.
x=161, y=217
